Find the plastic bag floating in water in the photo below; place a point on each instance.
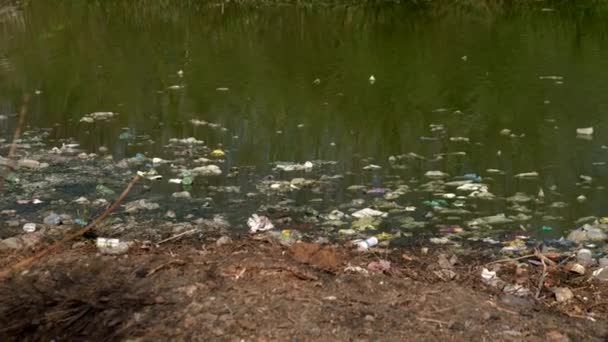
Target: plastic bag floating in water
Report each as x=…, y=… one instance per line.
x=259, y=223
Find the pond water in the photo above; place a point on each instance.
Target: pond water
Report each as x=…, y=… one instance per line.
x=293, y=84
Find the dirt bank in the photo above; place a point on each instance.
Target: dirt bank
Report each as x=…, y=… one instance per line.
x=259, y=290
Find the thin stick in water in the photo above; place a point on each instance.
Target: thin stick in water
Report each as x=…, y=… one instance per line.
x=56, y=246
x=16, y=135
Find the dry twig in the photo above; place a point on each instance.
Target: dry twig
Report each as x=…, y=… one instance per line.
x=432, y=320
x=499, y=308
x=56, y=246
x=510, y=259
x=541, y=281
x=156, y=269
x=16, y=135
x=174, y=237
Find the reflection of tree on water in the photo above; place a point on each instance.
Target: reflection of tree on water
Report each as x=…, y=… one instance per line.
x=125, y=57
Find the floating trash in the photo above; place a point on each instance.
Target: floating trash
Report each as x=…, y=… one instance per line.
x=259, y=223
x=29, y=227
x=368, y=212
x=98, y=116
x=363, y=245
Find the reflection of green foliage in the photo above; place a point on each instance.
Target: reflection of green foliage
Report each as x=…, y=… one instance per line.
x=121, y=56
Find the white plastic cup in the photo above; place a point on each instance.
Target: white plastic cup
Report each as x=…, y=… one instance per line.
x=107, y=243
x=101, y=242
x=363, y=245
x=29, y=227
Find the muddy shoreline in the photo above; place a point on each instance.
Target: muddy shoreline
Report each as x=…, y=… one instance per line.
x=259, y=289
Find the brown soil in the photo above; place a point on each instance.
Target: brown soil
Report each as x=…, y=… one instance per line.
x=259, y=290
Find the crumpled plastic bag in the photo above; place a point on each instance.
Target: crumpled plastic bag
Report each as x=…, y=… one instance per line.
x=259, y=223
x=368, y=212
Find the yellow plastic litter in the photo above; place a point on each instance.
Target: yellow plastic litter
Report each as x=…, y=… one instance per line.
x=217, y=153
x=515, y=243
x=604, y=220
x=286, y=232
x=385, y=236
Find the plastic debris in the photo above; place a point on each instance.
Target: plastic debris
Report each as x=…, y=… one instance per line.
x=112, y=246
x=29, y=227
x=98, y=116
x=498, y=219
x=80, y=222
x=187, y=178
x=138, y=205
x=473, y=177
x=207, y=170
x=372, y=167
x=52, y=220
x=365, y=223
x=601, y=273
x=516, y=290
x=217, y=153
x=527, y=175
x=368, y=212
x=516, y=245
x=372, y=79
x=224, y=240
x=551, y=77
x=451, y=229
x=335, y=215
x=30, y=164
x=104, y=190
x=126, y=135
x=584, y=257
x=439, y=241
x=587, y=233
x=259, y=223
x=563, y=294
x=575, y=268
x=150, y=174
x=187, y=141
x=490, y=277
x=436, y=203
x=355, y=269
x=287, y=237
x=289, y=167
x=436, y=175
x=182, y=194
x=584, y=131
x=363, y=245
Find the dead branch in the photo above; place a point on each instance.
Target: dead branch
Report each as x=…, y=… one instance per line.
x=156, y=269
x=499, y=308
x=56, y=246
x=174, y=237
x=432, y=320
x=541, y=281
x=510, y=259
x=16, y=135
